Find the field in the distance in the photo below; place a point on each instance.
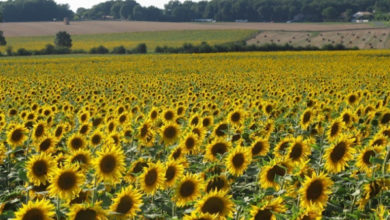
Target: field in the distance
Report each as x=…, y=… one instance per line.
x=152, y=39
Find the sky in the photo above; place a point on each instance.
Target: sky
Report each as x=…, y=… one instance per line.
x=75, y=4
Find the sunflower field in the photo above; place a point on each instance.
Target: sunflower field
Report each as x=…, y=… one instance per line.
x=280, y=135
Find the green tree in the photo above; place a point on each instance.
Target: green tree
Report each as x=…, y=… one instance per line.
x=63, y=39
x=329, y=13
x=2, y=39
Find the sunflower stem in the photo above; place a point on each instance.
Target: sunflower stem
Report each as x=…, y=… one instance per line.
x=94, y=191
x=58, y=208
x=385, y=160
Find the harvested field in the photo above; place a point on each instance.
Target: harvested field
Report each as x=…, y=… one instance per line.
x=19, y=29
x=362, y=38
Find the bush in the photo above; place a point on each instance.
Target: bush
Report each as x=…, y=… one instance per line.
x=119, y=50
x=141, y=48
x=63, y=39
x=3, y=42
x=98, y=50
x=9, y=51
x=49, y=49
x=23, y=52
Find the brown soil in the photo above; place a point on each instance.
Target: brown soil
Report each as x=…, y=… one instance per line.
x=96, y=27
x=378, y=38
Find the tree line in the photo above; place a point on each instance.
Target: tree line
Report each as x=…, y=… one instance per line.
x=219, y=10
x=232, y=10
x=34, y=10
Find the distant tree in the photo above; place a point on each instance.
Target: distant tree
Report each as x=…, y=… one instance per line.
x=329, y=13
x=2, y=39
x=116, y=9
x=63, y=39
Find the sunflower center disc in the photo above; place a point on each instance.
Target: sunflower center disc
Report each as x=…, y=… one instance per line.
x=87, y=214
x=238, y=160
x=33, y=214
x=338, y=152
x=263, y=215
x=187, y=189
x=17, y=135
x=125, y=204
x=213, y=205
x=40, y=168
x=67, y=181
x=314, y=191
x=108, y=164
x=151, y=177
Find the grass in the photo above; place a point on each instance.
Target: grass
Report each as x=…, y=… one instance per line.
x=152, y=39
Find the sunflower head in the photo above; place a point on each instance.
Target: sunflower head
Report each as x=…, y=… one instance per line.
x=66, y=182
x=188, y=189
x=87, y=212
x=36, y=210
x=217, y=148
x=339, y=154
x=238, y=160
x=127, y=202
x=110, y=164
x=315, y=191
x=39, y=168
x=152, y=178
x=170, y=133
x=216, y=203
x=17, y=134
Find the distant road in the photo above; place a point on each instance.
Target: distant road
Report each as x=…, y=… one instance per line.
x=19, y=29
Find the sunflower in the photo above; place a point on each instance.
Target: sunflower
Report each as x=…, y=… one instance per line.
x=17, y=135
x=47, y=144
x=338, y=154
x=298, y=150
x=96, y=138
x=221, y=129
x=238, y=160
x=310, y=215
x=352, y=98
x=168, y=116
x=236, y=117
x=216, y=203
x=152, y=178
x=86, y=212
x=372, y=189
x=269, y=172
x=314, y=191
x=66, y=182
x=217, y=148
x=190, y=143
x=177, y=153
x=335, y=129
x=81, y=157
x=59, y=131
x=363, y=159
x=207, y=121
x=136, y=168
x=36, y=210
x=260, y=147
x=146, y=134
x=39, y=130
x=76, y=142
x=282, y=147
x=219, y=183
x=188, y=189
x=109, y=164
x=39, y=168
x=170, y=133
x=268, y=209
x=173, y=171
x=127, y=202
x=200, y=216
x=306, y=118
x=3, y=152
x=378, y=140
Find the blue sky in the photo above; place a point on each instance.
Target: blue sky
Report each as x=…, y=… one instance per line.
x=75, y=4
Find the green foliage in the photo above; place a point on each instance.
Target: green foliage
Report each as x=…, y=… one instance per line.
x=2, y=39
x=231, y=10
x=63, y=39
x=34, y=10
x=98, y=50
